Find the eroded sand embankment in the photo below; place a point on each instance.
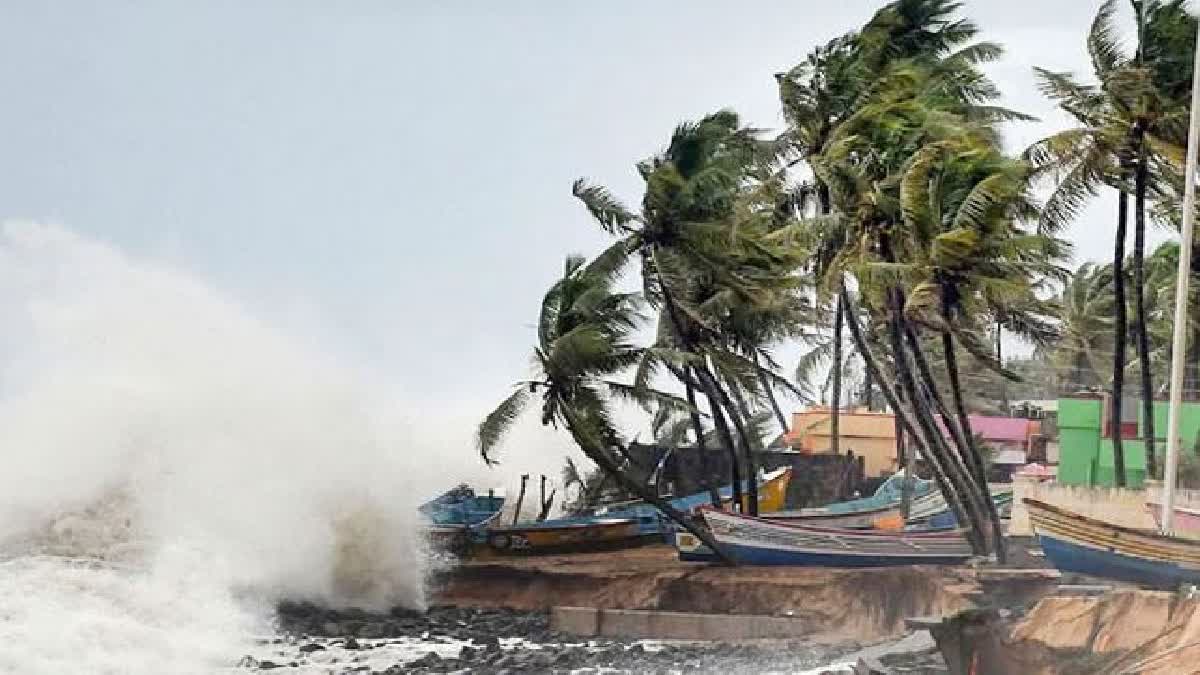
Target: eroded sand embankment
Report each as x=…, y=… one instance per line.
x=831, y=604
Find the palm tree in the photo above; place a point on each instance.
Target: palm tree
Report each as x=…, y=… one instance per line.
x=961, y=201
x=584, y=340
x=702, y=254
x=924, y=86
x=1085, y=327
x=1132, y=121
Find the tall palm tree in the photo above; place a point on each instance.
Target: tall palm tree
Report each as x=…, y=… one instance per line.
x=1132, y=121
x=962, y=201
x=584, y=340
x=1085, y=328
x=703, y=253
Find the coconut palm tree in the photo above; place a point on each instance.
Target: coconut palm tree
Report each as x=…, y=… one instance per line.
x=1085, y=327
x=703, y=253
x=1132, y=126
x=584, y=341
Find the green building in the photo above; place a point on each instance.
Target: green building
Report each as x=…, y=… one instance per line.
x=1086, y=452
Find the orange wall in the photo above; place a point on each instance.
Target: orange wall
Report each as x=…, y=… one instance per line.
x=871, y=435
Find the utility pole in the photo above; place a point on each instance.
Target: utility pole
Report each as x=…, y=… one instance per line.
x=1179, y=334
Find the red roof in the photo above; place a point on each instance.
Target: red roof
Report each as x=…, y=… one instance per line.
x=1009, y=429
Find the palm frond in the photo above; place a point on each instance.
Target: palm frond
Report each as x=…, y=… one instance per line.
x=608, y=211
x=498, y=422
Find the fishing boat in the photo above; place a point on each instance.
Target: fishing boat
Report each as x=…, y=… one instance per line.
x=821, y=517
x=1076, y=543
x=616, y=526
x=772, y=495
x=1187, y=521
x=561, y=536
x=758, y=541
x=452, y=514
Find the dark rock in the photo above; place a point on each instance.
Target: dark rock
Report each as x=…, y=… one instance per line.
x=466, y=653
x=268, y=665
x=311, y=647
x=351, y=643
x=430, y=660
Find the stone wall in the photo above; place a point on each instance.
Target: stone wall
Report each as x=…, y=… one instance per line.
x=1119, y=506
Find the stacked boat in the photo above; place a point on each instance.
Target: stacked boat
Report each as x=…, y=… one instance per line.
x=616, y=526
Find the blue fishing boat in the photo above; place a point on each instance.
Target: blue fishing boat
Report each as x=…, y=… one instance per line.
x=1076, y=543
x=461, y=506
x=757, y=541
x=453, y=514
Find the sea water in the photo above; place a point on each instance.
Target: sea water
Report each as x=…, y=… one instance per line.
x=171, y=465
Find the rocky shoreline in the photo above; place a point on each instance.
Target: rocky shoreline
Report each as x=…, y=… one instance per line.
x=491, y=641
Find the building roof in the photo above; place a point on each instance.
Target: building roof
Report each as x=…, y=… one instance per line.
x=1009, y=429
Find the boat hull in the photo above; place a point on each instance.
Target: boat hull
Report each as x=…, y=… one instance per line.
x=1076, y=543
x=754, y=541
x=574, y=538
x=856, y=520
x=1068, y=556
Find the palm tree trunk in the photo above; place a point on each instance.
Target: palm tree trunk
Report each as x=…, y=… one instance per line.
x=770, y=394
x=904, y=416
x=866, y=393
x=938, y=452
x=1139, y=299
x=714, y=494
x=609, y=467
x=746, y=444
x=835, y=402
x=1120, y=329
x=967, y=460
x=706, y=382
x=722, y=425
x=964, y=422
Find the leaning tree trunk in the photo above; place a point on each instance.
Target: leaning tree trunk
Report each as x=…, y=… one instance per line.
x=600, y=456
x=743, y=436
x=769, y=392
x=1139, y=300
x=701, y=444
x=959, y=427
x=835, y=401
x=1121, y=327
x=903, y=414
x=939, y=452
x=722, y=425
x=706, y=385
x=964, y=421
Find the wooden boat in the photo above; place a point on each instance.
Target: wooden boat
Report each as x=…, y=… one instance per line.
x=1187, y=521
x=461, y=506
x=1076, y=543
x=550, y=537
x=757, y=541
x=624, y=526
x=454, y=513
x=772, y=495
x=822, y=517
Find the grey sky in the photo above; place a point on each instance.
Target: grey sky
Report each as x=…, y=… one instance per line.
x=393, y=177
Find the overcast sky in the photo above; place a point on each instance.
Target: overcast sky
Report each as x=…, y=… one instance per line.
x=394, y=177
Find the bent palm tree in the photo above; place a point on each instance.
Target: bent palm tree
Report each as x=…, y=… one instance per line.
x=584, y=330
